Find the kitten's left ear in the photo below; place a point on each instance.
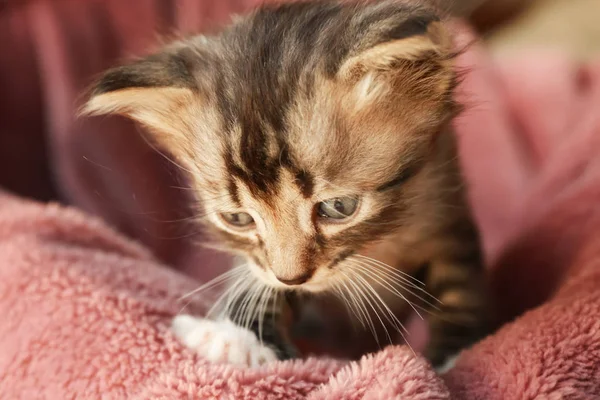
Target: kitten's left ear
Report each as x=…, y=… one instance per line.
x=415, y=52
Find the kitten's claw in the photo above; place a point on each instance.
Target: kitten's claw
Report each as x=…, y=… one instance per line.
x=221, y=341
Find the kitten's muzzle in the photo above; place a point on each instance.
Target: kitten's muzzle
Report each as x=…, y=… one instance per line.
x=297, y=280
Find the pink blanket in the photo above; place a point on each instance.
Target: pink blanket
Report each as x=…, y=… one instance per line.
x=86, y=310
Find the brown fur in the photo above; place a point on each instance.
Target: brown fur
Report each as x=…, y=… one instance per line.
x=304, y=102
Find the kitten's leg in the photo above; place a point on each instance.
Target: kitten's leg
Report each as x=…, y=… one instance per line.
x=463, y=316
x=272, y=332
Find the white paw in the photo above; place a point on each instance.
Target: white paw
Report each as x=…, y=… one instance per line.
x=448, y=365
x=221, y=341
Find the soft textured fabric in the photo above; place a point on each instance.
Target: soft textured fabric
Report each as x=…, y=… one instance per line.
x=86, y=315
x=86, y=311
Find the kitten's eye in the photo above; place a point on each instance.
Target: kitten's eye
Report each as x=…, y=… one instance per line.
x=238, y=220
x=338, y=208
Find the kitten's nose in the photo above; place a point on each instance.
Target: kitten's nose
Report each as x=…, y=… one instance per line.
x=297, y=280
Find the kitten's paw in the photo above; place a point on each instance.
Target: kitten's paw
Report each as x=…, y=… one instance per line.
x=221, y=341
x=447, y=365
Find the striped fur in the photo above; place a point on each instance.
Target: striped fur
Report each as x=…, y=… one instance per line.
x=299, y=103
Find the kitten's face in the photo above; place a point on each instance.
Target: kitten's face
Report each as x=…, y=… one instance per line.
x=306, y=129
x=340, y=183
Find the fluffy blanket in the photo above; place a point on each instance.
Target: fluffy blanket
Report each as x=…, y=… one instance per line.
x=86, y=310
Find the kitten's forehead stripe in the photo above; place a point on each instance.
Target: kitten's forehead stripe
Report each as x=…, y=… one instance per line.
x=305, y=182
x=234, y=192
x=265, y=79
x=272, y=58
x=233, y=172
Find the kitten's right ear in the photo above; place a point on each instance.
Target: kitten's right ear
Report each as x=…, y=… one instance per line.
x=149, y=91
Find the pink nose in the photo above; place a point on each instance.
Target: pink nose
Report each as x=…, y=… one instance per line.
x=296, y=281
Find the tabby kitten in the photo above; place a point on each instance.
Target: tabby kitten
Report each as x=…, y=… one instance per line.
x=317, y=137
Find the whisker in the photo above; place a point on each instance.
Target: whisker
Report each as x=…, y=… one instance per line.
x=362, y=308
x=237, y=314
x=218, y=280
x=276, y=303
x=371, y=267
x=246, y=292
x=209, y=199
x=189, y=234
x=384, y=277
x=393, y=275
x=381, y=305
x=153, y=147
x=201, y=217
x=262, y=310
x=375, y=275
x=340, y=293
x=97, y=164
x=360, y=304
x=366, y=296
x=242, y=281
x=173, y=221
x=401, y=274
x=182, y=188
x=391, y=318
x=240, y=305
x=252, y=305
x=214, y=246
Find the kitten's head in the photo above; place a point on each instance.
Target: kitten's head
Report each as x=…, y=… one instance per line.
x=305, y=127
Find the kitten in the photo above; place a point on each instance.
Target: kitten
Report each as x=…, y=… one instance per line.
x=317, y=137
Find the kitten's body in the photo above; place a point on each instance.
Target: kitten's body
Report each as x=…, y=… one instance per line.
x=302, y=110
